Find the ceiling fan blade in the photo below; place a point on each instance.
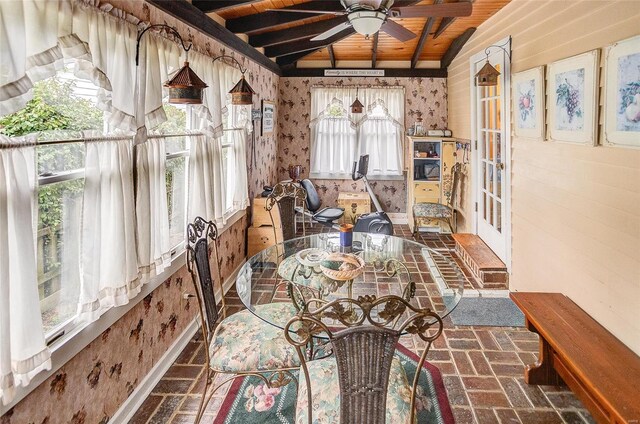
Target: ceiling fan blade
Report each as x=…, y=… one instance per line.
x=333, y=31
x=314, y=12
x=397, y=31
x=445, y=10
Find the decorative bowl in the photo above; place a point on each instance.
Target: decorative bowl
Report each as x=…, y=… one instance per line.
x=311, y=257
x=342, y=266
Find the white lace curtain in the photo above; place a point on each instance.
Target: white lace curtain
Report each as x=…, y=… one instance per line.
x=23, y=352
x=338, y=137
x=118, y=253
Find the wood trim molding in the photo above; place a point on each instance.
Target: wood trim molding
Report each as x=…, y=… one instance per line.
x=455, y=47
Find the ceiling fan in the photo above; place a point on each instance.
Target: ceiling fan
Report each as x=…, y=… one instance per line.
x=367, y=17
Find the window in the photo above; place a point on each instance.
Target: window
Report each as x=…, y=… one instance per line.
x=63, y=107
x=339, y=137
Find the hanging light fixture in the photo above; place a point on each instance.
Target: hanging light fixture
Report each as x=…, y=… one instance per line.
x=185, y=87
x=487, y=76
x=356, y=106
x=241, y=93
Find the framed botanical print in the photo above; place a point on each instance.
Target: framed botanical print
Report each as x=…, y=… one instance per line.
x=572, y=90
x=268, y=117
x=528, y=103
x=622, y=94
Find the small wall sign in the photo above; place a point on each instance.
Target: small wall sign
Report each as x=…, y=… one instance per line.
x=354, y=72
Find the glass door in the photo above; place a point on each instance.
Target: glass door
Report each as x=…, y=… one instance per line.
x=491, y=170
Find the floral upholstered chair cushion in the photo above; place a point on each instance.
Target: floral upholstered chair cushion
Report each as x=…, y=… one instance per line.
x=243, y=342
x=291, y=270
x=432, y=210
x=325, y=388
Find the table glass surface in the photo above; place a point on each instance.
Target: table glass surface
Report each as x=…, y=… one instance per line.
x=439, y=282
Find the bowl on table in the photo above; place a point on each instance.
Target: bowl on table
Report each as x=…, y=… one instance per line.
x=342, y=266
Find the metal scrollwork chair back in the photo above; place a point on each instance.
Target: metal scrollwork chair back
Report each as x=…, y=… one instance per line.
x=288, y=196
x=363, y=349
x=199, y=236
x=260, y=349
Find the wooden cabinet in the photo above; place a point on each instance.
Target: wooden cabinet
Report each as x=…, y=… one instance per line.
x=354, y=204
x=429, y=175
x=262, y=234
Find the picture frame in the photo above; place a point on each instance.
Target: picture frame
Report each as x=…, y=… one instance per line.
x=572, y=93
x=268, y=117
x=528, y=103
x=622, y=94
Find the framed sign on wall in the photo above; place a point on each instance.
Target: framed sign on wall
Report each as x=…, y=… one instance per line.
x=268, y=117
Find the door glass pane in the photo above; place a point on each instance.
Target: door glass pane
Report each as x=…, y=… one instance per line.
x=499, y=183
x=484, y=175
x=491, y=210
x=490, y=167
x=499, y=216
x=498, y=147
x=484, y=206
x=498, y=123
x=490, y=138
x=482, y=142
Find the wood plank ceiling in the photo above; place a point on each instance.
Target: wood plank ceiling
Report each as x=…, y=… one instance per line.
x=286, y=37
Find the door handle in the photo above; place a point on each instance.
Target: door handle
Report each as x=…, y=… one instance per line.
x=500, y=166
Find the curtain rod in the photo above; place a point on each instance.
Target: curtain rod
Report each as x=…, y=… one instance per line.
x=95, y=139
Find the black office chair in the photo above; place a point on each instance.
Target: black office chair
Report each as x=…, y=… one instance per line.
x=324, y=216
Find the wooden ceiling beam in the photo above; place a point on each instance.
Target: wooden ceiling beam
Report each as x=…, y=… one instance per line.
x=444, y=24
x=197, y=19
x=295, y=33
x=374, y=50
x=290, y=60
x=426, y=29
x=270, y=19
x=216, y=5
x=455, y=47
x=332, y=55
x=388, y=72
x=305, y=45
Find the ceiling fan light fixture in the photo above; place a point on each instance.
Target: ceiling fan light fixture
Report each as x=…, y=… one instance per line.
x=367, y=22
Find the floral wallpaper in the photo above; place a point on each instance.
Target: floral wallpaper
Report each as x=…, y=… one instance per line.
x=93, y=385
x=426, y=95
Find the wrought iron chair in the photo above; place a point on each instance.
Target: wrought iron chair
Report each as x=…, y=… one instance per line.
x=439, y=211
x=235, y=345
x=372, y=385
x=288, y=196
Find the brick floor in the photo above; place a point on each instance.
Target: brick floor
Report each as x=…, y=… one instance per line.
x=482, y=369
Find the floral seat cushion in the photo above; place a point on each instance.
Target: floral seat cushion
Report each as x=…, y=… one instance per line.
x=325, y=387
x=432, y=210
x=291, y=270
x=243, y=342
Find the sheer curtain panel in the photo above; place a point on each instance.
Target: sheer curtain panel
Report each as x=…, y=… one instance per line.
x=109, y=260
x=152, y=217
x=333, y=147
x=207, y=191
x=23, y=352
x=241, y=186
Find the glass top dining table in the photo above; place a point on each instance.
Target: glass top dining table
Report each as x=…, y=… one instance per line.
x=392, y=266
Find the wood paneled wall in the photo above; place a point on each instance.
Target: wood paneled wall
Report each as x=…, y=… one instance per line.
x=575, y=209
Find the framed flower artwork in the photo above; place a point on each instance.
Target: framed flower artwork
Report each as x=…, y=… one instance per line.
x=622, y=94
x=528, y=103
x=572, y=93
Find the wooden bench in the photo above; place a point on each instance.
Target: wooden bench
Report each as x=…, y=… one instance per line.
x=574, y=348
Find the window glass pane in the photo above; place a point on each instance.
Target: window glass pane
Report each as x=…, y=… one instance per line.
x=58, y=250
x=176, y=178
x=176, y=122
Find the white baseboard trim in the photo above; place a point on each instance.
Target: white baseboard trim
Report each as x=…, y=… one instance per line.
x=143, y=390
x=398, y=218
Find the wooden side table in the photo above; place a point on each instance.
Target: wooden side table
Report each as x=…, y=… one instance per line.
x=261, y=233
x=354, y=204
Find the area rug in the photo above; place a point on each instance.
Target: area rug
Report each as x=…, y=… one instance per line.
x=487, y=311
x=249, y=401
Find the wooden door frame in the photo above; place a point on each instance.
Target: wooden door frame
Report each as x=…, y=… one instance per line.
x=506, y=107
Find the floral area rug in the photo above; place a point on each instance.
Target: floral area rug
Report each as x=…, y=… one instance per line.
x=249, y=401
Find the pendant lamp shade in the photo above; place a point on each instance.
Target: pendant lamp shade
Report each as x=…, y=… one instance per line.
x=185, y=87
